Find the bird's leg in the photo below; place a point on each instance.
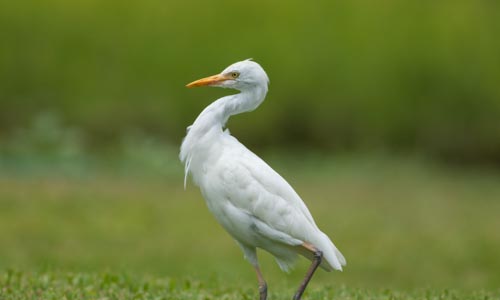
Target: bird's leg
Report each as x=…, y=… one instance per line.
x=318, y=255
x=262, y=283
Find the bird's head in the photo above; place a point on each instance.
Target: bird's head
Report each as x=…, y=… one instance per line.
x=240, y=76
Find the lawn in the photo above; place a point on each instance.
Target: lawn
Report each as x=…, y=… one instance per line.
x=410, y=229
x=55, y=285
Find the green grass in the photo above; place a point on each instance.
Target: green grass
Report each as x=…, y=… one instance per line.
x=106, y=285
x=408, y=228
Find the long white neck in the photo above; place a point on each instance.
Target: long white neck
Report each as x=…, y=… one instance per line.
x=217, y=113
x=210, y=123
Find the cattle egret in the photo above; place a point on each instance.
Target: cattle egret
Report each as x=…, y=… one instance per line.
x=256, y=206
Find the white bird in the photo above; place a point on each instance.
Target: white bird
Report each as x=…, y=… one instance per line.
x=256, y=206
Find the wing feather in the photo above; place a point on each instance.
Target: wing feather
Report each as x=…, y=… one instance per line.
x=264, y=202
x=255, y=187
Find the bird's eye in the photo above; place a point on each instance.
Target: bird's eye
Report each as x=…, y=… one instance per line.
x=235, y=74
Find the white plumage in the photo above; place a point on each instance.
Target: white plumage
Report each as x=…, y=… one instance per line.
x=248, y=198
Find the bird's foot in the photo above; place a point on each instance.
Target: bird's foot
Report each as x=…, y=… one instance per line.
x=263, y=291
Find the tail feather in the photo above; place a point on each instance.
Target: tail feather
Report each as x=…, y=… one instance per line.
x=332, y=258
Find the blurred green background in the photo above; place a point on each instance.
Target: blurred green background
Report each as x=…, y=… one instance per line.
x=345, y=75
x=384, y=115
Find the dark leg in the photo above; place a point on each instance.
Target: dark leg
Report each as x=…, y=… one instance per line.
x=318, y=255
x=262, y=284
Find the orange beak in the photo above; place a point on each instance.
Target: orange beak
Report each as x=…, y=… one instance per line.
x=211, y=80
